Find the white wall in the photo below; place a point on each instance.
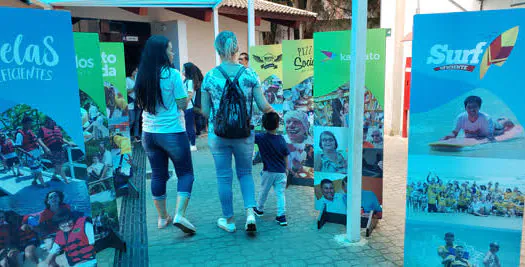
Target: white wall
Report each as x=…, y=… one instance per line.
x=395, y=74
x=199, y=34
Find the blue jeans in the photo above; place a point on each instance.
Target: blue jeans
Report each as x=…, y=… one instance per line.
x=134, y=121
x=189, y=117
x=242, y=149
x=163, y=146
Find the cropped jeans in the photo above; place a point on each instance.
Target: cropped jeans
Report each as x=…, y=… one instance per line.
x=223, y=150
x=163, y=146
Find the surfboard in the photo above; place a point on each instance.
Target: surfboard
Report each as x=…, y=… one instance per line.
x=456, y=144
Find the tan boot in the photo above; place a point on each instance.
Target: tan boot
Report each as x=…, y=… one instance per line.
x=179, y=220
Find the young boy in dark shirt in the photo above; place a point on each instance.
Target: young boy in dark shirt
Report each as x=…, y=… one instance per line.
x=274, y=154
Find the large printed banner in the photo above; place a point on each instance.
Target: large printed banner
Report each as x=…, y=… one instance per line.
x=298, y=107
x=467, y=151
x=43, y=191
x=96, y=133
x=267, y=62
x=114, y=75
x=332, y=118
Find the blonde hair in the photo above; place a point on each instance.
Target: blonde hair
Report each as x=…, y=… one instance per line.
x=226, y=44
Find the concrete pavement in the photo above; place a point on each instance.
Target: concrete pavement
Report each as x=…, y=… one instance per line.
x=298, y=244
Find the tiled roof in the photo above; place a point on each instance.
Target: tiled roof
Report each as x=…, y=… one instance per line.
x=267, y=6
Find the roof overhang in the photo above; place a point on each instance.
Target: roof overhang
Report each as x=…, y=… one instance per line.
x=135, y=3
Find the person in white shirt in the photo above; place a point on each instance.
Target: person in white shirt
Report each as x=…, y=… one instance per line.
x=96, y=168
x=160, y=93
x=134, y=111
x=192, y=84
x=335, y=202
x=107, y=160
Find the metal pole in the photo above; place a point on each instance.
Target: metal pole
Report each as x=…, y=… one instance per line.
x=355, y=138
x=216, y=32
x=251, y=23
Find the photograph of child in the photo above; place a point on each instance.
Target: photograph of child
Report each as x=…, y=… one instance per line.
x=475, y=124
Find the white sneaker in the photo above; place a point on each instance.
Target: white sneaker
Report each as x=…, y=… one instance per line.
x=224, y=225
x=183, y=224
x=250, y=223
x=163, y=223
x=193, y=148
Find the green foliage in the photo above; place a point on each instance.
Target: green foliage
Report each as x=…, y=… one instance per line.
x=110, y=207
x=11, y=120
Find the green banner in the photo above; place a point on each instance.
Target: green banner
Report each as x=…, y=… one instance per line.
x=266, y=60
x=114, y=73
x=332, y=119
x=89, y=69
x=332, y=64
x=298, y=62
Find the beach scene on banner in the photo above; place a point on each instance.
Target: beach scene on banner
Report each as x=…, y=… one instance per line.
x=436, y=244
x=480, y=192
x=43, y=189
x=469, y=106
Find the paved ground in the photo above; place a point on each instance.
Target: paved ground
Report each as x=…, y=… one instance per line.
x=298, y=244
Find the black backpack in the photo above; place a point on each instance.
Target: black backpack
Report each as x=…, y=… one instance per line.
x=232, y=120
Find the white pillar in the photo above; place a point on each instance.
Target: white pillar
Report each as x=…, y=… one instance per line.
x=355, y=138
x=216, y=32
x=251, y=23
x=183, y=42
x=398, y=69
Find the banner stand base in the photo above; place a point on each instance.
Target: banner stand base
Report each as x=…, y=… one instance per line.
x=368, y=222
x=329, y=217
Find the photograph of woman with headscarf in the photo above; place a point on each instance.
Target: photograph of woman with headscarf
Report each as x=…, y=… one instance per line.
x=298, y=136
x=297, y=125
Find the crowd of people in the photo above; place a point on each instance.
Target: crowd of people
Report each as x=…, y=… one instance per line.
x=224, y=98
x=454, y=196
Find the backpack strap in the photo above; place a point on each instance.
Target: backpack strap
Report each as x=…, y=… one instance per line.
x=237, y=76
x=227, y=77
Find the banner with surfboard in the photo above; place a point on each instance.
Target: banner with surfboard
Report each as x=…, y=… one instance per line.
x=465, y=188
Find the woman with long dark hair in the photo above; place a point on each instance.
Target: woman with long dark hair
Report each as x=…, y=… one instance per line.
x=224, y=149
x=161, y=96
x=192, y=85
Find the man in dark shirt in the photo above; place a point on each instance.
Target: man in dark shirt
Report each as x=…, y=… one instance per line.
x=274, y=153
x=337, y=107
